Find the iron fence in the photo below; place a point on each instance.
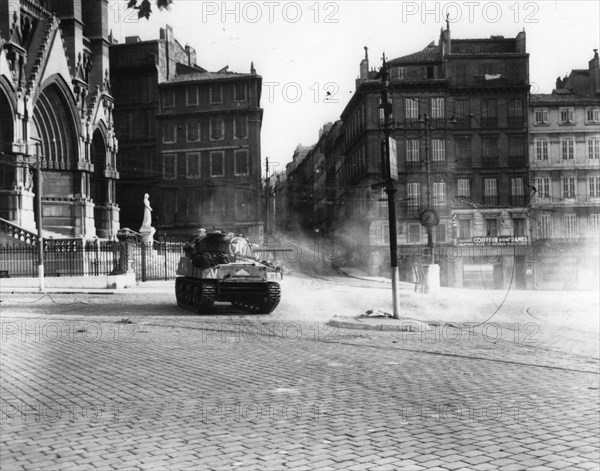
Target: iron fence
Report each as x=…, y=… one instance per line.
x=157, y=261
x=70, y=257
x=73, y=257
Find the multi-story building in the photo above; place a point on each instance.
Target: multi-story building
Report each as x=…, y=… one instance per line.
x=56, y=114
x=460, y=133
x=564, y=150
x=188, y=137
x=299, y=192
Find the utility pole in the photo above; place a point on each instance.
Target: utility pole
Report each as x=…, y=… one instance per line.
x=267, y=198
x=428, y=193
x=390, y=187
x=39, y=218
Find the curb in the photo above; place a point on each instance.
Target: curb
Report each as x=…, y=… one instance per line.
x=381, y=327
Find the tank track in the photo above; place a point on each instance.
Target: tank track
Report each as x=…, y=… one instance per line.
x=194, y=295
x=261, y=304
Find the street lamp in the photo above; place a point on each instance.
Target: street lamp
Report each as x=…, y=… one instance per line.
x=38, y=206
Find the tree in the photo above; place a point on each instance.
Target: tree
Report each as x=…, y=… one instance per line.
x=144, y=8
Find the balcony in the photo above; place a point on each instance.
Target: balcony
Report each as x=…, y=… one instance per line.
x=517, y=200
x=438, y=166
x=517, y=121
x=413, y=165
x=490, y=200
x=489, y=122
x=413, y=210
x=489, y=162
x=516, y=161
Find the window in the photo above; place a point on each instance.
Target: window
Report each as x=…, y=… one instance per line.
x=398, y=73
x=463, y=117
x=193, y=131
x=490, y=191
x=570, y=225
x=489, y=151
x=567, y=148
x=519, y=227
x=242, y=205
x=540, y=116
x=413, y=193
x=169, y=166
x=191, y=96
x=412, y=108
x=193, y=165
x=566, y=116
x=545, y=226
x=464, y=188
x=463, y=151
x=440, y=233
x=217, y=164
x=461, y=74
x=168, y=99
x=515, y=113
x=488, y=113
x=594, y=225
x=486, y=69
x=491, y=227
x=438, y=149
x=169, y=134
x=541, y=149
x=239, y=91
x=593, y=115
x=437, y=108
x=568, y=184
x=414, y=233
x=593, y=148
x=240, y=162
x=542, y=185
x=412, y=150
x=516, y=152
x=464, y=228
x=240, y=127
x=594, y=187
x=217, y=129
x=516, y=187
x=216, y=94
x=439, y=193
x=217, y=205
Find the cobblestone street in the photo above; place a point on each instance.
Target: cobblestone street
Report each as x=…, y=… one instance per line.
x=130, y=381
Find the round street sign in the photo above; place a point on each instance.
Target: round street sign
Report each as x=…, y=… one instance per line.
x=429, y=218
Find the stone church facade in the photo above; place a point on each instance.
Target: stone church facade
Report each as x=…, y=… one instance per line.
x=56, y=115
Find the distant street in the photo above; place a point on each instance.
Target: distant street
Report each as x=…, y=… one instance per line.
x=131, y=381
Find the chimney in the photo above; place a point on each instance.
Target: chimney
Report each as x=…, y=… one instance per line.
x=191, y=55
x=364, y=66
x=594, y=66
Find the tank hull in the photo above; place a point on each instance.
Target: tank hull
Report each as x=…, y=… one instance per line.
x=246, y=284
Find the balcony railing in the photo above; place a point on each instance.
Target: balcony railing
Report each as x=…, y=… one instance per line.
x=517, y=121
x=489, y=162
x=489, y=122
x=517, y=200
x=490, y=200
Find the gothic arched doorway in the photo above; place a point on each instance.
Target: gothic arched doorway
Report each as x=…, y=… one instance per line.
x=54, y=125
x=98, y=182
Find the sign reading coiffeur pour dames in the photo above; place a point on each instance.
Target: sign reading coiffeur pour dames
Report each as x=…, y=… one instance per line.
x=499, y=241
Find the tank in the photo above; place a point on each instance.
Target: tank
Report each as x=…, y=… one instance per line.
x=220, y=266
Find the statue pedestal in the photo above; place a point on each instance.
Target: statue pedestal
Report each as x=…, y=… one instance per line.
x=147, y=233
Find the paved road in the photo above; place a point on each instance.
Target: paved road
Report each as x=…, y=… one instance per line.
x=171, y=390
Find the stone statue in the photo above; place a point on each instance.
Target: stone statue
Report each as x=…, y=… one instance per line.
x=147, y=222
